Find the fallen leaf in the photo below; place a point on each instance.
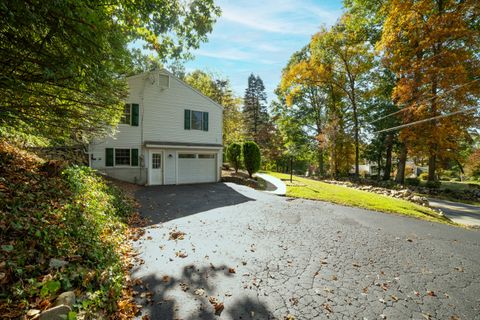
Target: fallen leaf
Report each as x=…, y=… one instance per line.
x=181, y=254
x=217, y=305
x=356, y=265
x=289, y=317
x=176, y=235
x=394, y=298
x=166, y=279
x=460, y=269
x=293, y=301
x=431, y=293
x=334, y=278
x=231, y=270
x=199, y=292
x=327, y=307
x=184, y=287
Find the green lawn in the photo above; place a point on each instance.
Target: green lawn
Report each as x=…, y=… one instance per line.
x=317, y=190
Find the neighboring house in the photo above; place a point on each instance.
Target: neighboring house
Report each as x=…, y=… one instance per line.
x=368, y=169
x=170, y=133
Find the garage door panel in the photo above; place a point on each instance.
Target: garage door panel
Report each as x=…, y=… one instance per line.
x=196, y=170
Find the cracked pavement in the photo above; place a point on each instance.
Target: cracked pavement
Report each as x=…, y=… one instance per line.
x=270, y=257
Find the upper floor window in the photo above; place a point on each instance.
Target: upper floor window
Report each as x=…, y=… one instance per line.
x=127, y=114
x=130, y=114
x=196, y=120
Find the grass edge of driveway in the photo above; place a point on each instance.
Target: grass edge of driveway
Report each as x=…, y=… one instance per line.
x=318, y=190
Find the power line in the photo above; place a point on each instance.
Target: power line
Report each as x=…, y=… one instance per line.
x=425, y=100
x=426, y=120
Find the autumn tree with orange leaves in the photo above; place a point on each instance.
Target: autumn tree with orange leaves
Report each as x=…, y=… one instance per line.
x=432, y=46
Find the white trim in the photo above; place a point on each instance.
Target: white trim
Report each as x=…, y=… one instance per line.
x=181, y=147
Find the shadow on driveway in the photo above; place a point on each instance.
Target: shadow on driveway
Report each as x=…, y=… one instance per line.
x=192, y=279
x=164, y=203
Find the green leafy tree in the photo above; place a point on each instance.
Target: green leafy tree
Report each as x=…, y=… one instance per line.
x=255, y=112
x=234, y=155
x=63, y=62
x=251, y=157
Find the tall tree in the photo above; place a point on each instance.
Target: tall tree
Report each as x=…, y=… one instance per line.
x=255, y=112
x=433, y=46
x=63, y=62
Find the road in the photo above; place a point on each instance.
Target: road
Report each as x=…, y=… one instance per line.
x=299, y=258
x=462, y=213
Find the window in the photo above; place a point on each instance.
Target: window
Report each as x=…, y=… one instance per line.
x=127, y=114
x=206, y=156
x=122, y=157
x=186, y=155
x=196, y=120
x=156, y=161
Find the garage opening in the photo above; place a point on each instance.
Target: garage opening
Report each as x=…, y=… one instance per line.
x=196, y=167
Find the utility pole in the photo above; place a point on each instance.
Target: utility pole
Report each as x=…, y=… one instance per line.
x=291, y=168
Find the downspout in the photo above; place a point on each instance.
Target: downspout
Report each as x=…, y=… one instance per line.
x=142, y=111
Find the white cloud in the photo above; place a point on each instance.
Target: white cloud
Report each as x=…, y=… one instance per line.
x=228, y=54
x=284, y=17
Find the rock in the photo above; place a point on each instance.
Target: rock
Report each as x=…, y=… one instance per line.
x=67, y=298
x=56, y=313
x=33, y=312
x=57, y=263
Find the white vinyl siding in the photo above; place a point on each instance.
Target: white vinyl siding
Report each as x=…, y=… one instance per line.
x=166, y=115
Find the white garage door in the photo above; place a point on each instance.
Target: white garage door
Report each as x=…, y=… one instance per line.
x=196, y=167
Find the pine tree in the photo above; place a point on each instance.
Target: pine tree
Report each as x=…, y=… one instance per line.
x=255, y=109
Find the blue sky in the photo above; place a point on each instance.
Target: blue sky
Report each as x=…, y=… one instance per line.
x=259, y=37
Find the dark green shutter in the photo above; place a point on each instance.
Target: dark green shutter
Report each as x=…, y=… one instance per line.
x=109, y=157
x=205, y=121
x=134, y=157
x=135, y=114
x=187, y=119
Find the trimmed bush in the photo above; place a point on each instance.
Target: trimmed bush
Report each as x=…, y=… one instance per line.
x=251, y=157
x=433, y=184
x=234, y=155
x=423, y=176
x=412, y=181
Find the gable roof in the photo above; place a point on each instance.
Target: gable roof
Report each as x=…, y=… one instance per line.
x=165, y=71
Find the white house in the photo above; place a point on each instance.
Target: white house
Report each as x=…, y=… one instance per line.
x=170, y=133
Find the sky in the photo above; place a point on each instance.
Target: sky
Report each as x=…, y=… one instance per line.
x=259, y=37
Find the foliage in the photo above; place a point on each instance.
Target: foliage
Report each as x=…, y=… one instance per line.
x=234, y=155
x=423, y=176
x=63, y=62
x=220, y=91
x=75, y=217
x=251, y=157
x=432, y=47
x=412, y=181
x=473, y=164
x=255, y=112
x=317, y=190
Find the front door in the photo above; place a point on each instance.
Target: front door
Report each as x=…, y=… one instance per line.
x=156, y=168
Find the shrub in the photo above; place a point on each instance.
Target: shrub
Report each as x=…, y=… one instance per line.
x=433, y=184
x=234, y=155
x=251, y=157
x=423, y=176
x=412, y=181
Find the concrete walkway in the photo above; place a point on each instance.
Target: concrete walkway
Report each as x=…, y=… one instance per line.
x=458, y=212
x=281, y=188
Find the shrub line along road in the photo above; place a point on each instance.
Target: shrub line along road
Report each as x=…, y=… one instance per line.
x=310, y=259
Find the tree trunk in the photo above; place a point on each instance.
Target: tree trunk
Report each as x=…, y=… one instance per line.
x=432, y=166
x=402, y=161
x=321, y=162
x=355, y=128
x=388, y=161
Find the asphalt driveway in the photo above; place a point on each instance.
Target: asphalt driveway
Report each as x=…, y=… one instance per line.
x=270, y=257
